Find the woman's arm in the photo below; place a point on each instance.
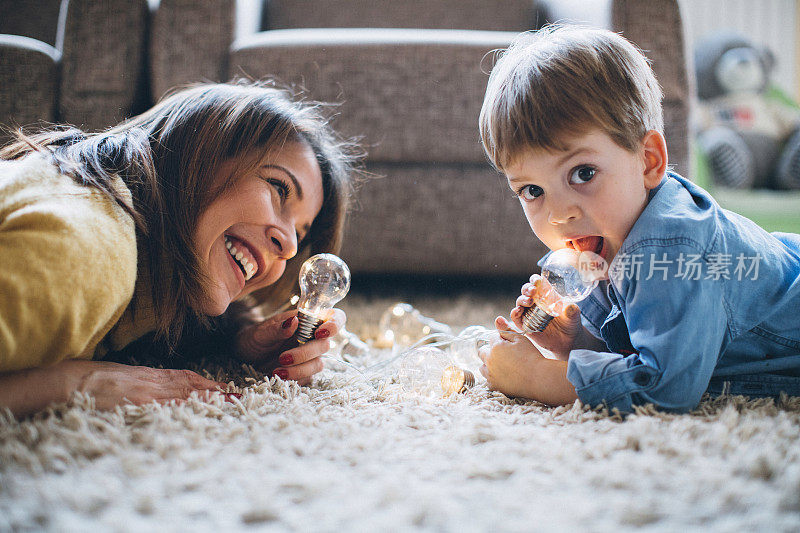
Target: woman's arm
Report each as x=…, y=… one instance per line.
x=28, y=391
x=25, y=392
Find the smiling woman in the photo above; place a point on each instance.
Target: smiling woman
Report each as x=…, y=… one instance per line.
x=211, y=198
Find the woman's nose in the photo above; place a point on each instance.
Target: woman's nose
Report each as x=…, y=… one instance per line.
x=282, y=242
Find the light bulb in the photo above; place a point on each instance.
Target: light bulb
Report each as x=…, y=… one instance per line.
x=348, y=346
x=402, y=325
x=568, y=276
x=324, y=280
x=429, y=371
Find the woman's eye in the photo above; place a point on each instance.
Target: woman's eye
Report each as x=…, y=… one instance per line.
x=280, y=186
x=530, y=192
x=582, y=175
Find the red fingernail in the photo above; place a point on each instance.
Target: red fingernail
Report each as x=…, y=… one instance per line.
x=321, y=333
x=281, y=373
x=286, y=359
x=287, y=322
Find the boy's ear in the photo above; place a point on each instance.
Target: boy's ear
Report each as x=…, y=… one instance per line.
x=655, y=158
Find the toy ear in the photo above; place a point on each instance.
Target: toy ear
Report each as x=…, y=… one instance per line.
x=768, y=60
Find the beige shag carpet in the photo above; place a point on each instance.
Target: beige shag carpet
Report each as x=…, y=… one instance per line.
x=355, y=453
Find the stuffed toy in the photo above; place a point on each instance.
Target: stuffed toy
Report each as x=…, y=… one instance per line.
x=748, y=131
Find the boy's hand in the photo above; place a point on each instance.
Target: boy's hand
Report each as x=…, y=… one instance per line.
x=509, y=362
x=562, y=333
x=515, y=367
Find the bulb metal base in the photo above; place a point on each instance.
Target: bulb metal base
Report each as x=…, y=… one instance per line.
x=469, y=381
x=456, y=380
x=535, y=319
x=306, y=328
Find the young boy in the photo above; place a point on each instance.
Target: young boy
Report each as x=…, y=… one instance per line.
x=696, y=299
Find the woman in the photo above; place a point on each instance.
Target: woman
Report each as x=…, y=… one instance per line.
x=214, y=196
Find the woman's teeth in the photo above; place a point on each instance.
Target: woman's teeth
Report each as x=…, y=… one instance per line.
x=248, y=268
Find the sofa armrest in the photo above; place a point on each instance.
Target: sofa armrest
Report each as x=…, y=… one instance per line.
x=103, y=60
x=506, y=15
x=414, y=95
x=28, y=91
x=664, y=44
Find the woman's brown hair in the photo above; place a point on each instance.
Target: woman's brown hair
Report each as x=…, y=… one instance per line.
x=168, y=158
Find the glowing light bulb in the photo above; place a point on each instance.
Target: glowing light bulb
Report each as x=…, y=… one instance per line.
x=568, y=276
x=324, y=281
x=402, y=325
x=429, y=372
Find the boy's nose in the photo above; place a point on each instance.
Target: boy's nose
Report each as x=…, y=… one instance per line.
x=563, y=213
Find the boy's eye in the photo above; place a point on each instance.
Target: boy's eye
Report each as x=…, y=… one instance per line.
x=582, y=174
x=530, y=192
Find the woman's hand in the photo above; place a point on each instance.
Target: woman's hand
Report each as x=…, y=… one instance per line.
x=562, y=334
x=111, y=384
x=270, y=347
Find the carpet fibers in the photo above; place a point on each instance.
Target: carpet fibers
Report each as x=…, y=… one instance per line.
x=360, y=453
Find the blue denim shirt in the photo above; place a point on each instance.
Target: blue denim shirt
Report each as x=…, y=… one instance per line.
x=698, y=298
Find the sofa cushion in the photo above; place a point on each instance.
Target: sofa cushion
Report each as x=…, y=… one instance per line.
x=414, y=95
x=439, y=219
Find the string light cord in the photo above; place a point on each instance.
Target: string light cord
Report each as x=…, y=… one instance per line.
x=470, y=333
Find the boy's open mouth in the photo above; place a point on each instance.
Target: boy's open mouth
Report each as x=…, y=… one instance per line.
x=587, y=244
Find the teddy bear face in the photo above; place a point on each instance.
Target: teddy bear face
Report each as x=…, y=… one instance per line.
x=740, y=70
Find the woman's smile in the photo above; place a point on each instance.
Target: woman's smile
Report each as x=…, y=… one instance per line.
x=243, y=260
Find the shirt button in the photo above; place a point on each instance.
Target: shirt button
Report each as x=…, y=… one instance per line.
x=641, y=378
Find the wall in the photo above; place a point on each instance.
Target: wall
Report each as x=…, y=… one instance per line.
x=771, y=23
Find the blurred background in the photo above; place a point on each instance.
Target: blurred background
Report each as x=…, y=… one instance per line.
x=408, y=78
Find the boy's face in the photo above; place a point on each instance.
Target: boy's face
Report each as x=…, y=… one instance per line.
x=589, y=196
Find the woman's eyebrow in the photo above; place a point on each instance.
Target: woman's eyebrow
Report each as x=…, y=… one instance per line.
x=297, y=186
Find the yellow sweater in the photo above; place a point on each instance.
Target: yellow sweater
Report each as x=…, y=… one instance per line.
x=68, y=267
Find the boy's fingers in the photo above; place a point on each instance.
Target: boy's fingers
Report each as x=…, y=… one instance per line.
x=535, y=279
x=482, y=353
x=509, y=335
x=524, y=301
x=501, y=324
x=529, y=289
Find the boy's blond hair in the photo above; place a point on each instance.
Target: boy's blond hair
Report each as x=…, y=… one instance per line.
x=564, y=80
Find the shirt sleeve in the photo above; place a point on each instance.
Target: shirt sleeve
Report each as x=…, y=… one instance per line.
x=677, y=321
x=67, y=273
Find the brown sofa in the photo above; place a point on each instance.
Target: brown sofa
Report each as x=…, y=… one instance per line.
x=409, y=76
x=79, y=62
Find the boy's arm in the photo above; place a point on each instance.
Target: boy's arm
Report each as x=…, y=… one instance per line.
x=676, y=328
